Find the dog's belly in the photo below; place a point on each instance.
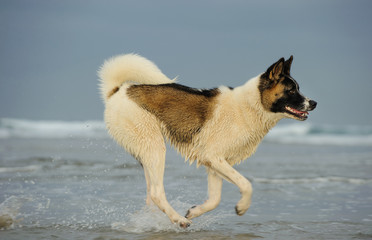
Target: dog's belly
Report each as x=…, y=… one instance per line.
x=233, y=148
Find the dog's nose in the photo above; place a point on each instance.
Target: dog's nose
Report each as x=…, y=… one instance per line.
x=312, y=104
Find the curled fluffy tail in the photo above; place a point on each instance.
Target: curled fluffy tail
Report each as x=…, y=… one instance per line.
x=128, y=68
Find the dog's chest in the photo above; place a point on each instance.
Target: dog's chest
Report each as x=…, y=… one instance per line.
x=242, y=148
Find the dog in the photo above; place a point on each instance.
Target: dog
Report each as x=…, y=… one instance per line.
x=217, y=128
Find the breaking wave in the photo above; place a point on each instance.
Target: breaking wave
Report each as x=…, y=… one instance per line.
x=17, y=128
x=330, y=179
x=299, y=133
x=321, y=135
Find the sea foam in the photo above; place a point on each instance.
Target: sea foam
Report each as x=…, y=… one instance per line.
x=296, y=133
x=18, y=128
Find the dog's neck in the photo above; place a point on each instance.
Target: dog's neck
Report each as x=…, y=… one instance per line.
x=250, y=97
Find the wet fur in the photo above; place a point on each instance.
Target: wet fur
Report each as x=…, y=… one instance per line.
x=217, y=128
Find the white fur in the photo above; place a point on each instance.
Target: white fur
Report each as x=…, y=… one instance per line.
x=129, y=68
x=237, y=126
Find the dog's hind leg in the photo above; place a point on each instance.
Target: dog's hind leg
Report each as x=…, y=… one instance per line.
x=226, y=171
x=214, y=196
x=154, y=171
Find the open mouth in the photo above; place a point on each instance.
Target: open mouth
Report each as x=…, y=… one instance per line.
x=297, y=113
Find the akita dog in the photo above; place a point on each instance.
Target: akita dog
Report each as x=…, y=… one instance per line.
x=216, y=128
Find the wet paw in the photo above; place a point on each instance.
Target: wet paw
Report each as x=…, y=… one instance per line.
x=189, y=214
x=242, y=206
x=240, y=211
x=184, y=223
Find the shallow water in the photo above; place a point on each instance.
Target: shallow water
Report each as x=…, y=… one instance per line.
x=82, y=188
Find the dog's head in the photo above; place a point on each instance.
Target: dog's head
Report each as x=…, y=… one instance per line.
x=281, y=94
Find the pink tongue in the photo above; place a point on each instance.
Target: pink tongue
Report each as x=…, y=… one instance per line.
x=298, y=111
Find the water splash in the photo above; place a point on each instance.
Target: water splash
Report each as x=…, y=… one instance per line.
x=151, y=219
x=9, y=210
x=304, y=133
x=148, y=219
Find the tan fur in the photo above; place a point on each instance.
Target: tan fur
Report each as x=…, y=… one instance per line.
x=277, y=70
x=216, y=132
x=271, y=95
x=183, y=115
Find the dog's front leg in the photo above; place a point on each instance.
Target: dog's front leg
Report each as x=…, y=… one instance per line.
x=226, y=171
x=214, y=196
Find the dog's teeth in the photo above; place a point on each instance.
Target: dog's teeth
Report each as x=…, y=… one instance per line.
x=299, y=113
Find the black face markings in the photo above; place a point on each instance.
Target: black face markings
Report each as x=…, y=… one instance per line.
x=291, y=95
x=292, y=101
x=291, y=86
x=280, y=93
x=275, y=73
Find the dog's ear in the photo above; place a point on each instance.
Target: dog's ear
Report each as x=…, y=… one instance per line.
x=272, y=75
x=287, y=65
x=275, y=70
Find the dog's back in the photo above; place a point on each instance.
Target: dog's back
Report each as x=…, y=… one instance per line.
x=218, y=127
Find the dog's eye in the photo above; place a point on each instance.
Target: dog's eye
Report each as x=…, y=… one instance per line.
x=292, y=92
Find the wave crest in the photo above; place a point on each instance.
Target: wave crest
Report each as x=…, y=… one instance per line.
x=17, y=128
x=321, y=135
x=303, y=133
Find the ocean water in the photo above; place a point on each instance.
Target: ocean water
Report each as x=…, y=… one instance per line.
x=69, y=180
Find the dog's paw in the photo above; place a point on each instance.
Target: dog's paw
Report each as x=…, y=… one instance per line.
x=242, y=207
x=239, y=211
x=184, y=223
x=189, y=213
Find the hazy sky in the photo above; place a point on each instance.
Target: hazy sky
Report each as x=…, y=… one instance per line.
x=50, y=50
